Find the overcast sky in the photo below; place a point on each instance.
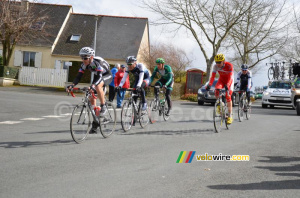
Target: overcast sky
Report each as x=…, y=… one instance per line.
x=131, y=8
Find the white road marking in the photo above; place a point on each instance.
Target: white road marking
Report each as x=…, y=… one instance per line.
x=53, y=116
x=33, y=119
x=11, y=122
x=66, y=114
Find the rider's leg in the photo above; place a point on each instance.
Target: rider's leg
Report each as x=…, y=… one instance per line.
x=100, y=92
x=168, y=97
x=158, y=83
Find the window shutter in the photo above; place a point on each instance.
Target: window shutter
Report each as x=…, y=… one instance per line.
x=18, y=58
x=38, y=59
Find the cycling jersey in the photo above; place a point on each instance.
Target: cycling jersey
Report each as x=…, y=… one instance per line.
x=244, y=80
x=99, y=68
x=166, y=74
x=140, y=73
x=226, y=78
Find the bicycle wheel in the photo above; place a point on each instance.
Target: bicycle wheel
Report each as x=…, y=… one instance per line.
x=165, y=110
x=127, y=116
x=108, y=121
x=271, y=73
x=143, y=116
x=248, y=110
x=80, y=123
x=154, y=111
x=226, y=115
x=217, y=117
x=241, y=108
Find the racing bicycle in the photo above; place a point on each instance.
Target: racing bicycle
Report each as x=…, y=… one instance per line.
x=132, y=111
x=83, y=116
x=244, y=109
x=158, y=106
x=220, y=114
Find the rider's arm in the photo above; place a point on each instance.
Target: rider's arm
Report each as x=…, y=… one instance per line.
x=230, y=81
x=153, y=74
x=141, y=67
x=169, y=75
x=249, y=79
x=238, y=79
x=123, y=79
x=213, y=75
x=78, y=77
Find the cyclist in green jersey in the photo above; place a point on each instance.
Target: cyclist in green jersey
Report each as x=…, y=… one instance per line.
x=166, y=80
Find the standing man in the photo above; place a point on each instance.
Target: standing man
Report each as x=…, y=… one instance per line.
x=122, y=91
x=112, y=84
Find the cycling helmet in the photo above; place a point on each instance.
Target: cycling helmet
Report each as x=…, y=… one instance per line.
x=86, y=51
x=130, y=59
x=160, y=60
x=219, y=57
x=244, y=67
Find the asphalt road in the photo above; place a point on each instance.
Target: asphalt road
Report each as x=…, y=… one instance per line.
x=39, y=158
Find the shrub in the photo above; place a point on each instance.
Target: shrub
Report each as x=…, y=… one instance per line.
x=190, y=97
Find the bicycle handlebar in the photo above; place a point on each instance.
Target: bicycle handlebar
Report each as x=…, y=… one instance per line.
x=82, y=89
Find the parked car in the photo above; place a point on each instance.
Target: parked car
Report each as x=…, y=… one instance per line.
x=295, y=96
x=258, y=95
x=203, y=97
x=277, y=94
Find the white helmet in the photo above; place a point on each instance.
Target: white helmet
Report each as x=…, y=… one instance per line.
x=86, y=51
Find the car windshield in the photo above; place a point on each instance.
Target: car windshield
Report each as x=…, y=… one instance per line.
x=280, y=85
x=213, y=85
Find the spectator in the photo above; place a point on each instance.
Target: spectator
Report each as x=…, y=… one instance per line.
x=117, y=80
x=112, y=85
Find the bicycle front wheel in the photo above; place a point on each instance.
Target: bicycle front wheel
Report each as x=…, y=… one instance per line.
x=217, y=117
x=80, y=123
x=108, y=121
x=165, y=111
x=127, y=116
x=248, y=111
x=241, y=109
x=154, y=111
x=143, y=116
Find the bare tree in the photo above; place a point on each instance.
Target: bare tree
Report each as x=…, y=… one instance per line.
x=18, y=21
x=260, y=33
x=174, y=56
x=291, y=51
x=208, y=21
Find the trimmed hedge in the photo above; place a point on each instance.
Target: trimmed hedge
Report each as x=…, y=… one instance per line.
x=13, y=72
x=190, y=97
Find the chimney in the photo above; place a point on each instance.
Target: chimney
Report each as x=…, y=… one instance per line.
x=25, y=5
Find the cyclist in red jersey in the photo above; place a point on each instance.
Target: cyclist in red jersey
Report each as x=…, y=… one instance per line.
x=225, y=70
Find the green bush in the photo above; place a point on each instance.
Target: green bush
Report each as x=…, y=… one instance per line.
x=190, y=97
x=9, y=72
x=1, y=61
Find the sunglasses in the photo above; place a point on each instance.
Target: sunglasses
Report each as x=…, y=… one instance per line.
x=219, y=62
x=129, y=64
x=85, y=58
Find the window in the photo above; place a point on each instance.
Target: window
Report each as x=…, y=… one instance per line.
x=280, y=85
x=29, y=59
x=37, y=25
x=75, y=37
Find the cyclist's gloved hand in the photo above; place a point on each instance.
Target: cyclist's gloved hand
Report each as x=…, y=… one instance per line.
x=138, y=89
x=164, y=86
x=93, y=87
x=69, y=88
x=207, y=88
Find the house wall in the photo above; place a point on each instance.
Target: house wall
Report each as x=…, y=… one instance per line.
x=144, y=50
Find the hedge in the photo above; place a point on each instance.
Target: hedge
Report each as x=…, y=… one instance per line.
x=13, y=72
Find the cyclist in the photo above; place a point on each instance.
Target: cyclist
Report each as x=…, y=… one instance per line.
x=244, y=81
x=102, y=76
x=225, y=70
x=142, y=78
x=166, y=80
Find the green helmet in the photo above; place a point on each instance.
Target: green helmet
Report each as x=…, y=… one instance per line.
x=160, y=60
